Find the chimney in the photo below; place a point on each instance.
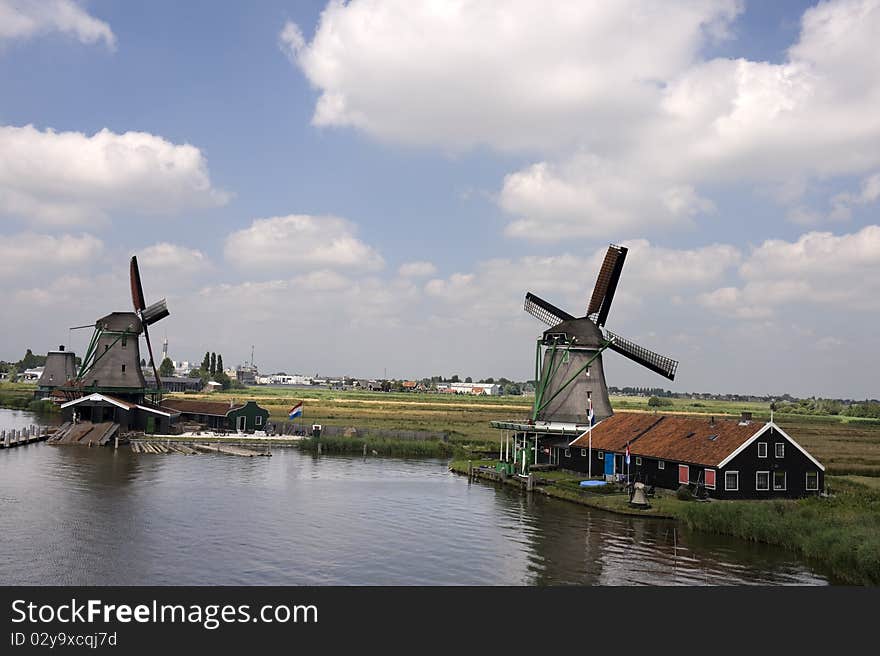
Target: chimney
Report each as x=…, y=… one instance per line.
x=746, y=417
x=711, y=421
x=61, y=347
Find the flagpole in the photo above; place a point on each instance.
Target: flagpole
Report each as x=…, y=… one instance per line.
x=590, y=421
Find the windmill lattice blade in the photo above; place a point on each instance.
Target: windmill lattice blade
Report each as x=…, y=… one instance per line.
x=544, y=311
x=137, y=291
x=647, y=358
x=606, y=283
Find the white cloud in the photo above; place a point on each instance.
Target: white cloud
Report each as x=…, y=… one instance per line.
x=590, y=197
x=820, y=270
x=23, y=252
x=68, y=178
x=24, y=19
x=512, y=75
x=301, y=241
x=416, y=269
x=628, y=120
x=173, y=260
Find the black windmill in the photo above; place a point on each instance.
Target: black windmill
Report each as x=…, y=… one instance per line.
x=112, y=361
x=568, y=361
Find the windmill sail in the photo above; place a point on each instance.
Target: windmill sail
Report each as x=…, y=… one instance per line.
x=606, y=284
x=645, y=357
x=544, y=311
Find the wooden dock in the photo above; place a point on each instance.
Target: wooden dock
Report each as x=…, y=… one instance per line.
x=20, y=436
x=192, y=448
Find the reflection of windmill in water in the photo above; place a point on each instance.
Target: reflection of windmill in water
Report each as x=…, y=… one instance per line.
x=569, y=375
x=109, y=386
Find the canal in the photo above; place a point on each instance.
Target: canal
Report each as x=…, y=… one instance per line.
x=80, y=516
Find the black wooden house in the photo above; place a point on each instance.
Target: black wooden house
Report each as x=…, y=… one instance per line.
x=730, y=459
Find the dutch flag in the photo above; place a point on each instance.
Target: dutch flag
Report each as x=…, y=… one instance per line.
x=627, y=454
x=295, y=411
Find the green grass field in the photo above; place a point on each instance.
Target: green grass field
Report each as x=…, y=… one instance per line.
x=846, y=445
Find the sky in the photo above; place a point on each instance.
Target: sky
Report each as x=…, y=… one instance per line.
x=370, y=187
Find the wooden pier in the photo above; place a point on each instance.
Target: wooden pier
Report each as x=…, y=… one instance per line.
x=20, y=436
x=193, y=448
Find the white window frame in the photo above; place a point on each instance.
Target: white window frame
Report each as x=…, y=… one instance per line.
x=567, y=453
x=776, y=449
x=705, y=478
x=807, y=481
x=259, y=420
x=784, y=480
x=601, y=455
x=687, y=467
x=727, y=488
x=638, y=460
x=583, y=453
x=661, y=464
x=762, y=444
x=762, y=489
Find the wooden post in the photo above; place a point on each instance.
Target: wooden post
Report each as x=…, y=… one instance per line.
x=365, y=449
x=319, y=448
x=115, y=442
x=470, y=469
x=531, y=482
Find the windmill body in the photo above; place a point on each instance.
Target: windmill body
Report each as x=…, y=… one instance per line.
x=117, y=364
x=573, y=350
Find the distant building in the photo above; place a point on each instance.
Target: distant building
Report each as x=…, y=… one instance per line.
x=31, y=375
x=181, y=384
x=246, y=374
x=484, y=389
x=242, y=417
x=212, y=386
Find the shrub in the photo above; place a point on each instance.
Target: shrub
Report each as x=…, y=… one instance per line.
x=683, y=493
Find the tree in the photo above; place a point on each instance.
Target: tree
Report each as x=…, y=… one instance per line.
x=455, y=379
x=658, y=402
x=213, y=367
x=468, y=380
x=206, y=363
x=166, y=368
x=223, y=379
x=219, y=364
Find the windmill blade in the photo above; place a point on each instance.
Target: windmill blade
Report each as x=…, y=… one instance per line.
x=606, y=284
x=152, y=359
x=544, y=311
x=137, y=291
x=155, y=312
x=647, y=358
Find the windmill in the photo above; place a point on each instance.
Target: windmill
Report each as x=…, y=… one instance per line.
x=112, y=360
x=568, y=359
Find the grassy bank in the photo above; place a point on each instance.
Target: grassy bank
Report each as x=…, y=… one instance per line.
x=381, y=447
x=20, y=396
x=846, y=445
x=841, y=532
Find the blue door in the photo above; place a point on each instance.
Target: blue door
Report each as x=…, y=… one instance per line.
x=609, y=464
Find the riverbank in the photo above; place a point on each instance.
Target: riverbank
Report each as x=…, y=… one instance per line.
x=380, y=446
x=20, y=396
x=842, y=531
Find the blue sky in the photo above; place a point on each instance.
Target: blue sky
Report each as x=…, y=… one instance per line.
x=275, y=164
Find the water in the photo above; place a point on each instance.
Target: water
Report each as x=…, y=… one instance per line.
x=79, y=516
